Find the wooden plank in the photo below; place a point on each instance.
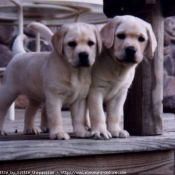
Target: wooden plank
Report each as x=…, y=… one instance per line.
x=19, y=146
x=45, y=148
x=143, y=108
x=18, y=124
x=21, y=136
x=159, y=162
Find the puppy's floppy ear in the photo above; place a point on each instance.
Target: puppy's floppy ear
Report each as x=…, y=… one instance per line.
x=108, y=31
x=152, y=43
x=58, y=38
x=99, y=41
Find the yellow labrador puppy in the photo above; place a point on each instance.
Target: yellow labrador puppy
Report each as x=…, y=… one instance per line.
x=59, y=78
x=126, y=40
x=47, y=34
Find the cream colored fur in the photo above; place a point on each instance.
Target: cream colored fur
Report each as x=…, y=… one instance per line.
x=56, y=78
x=45, y=32
x=127, y=40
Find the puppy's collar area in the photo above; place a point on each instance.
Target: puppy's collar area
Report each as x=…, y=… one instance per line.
x=126, y=61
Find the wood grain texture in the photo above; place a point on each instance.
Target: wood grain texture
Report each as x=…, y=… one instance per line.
x=152, y=123
x=143, y=109
x=19, y=146
x=140, y=163
x=18, y=124
x=45, y=148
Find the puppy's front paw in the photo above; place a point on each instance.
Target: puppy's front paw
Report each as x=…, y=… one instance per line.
x=101, y=134
x=82, y=133
x=31, y=131
x=60, y=136
x=3, y=133
x=120, y=133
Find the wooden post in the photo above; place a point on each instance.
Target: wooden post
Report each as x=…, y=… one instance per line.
x=143, y=108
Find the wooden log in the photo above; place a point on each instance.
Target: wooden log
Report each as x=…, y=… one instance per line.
x=158, y=162
x=143, y=108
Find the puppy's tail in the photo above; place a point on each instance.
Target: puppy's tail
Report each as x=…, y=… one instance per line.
x=45, y=32
x=18, y=44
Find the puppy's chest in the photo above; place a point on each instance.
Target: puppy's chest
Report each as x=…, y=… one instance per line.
x=76, y=90
x=115, y=89
x=117, y=85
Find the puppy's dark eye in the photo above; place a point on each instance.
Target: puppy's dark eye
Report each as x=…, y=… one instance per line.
x=72, y=44
x=141, y=39
x=121, y=36
x=90, y=43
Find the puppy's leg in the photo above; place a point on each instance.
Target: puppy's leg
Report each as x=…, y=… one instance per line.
x=78, y=113
x=7, y=97
x=87, y=123
x=30, y=117
x=114, y=114
x=53, y=108
x=44, y=122
x=97, y=116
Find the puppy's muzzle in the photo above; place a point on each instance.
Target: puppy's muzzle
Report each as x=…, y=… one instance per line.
x=130, y=54
x=83, y=59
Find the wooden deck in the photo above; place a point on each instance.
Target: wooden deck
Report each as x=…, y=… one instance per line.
x=134, y=155
x=143, y=155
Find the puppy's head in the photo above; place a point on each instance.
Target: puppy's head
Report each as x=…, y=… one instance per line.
x=78, y=43
x=129, y=39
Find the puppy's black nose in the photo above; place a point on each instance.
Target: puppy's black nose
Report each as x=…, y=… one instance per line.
x=83, y=59
x=130, y=51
